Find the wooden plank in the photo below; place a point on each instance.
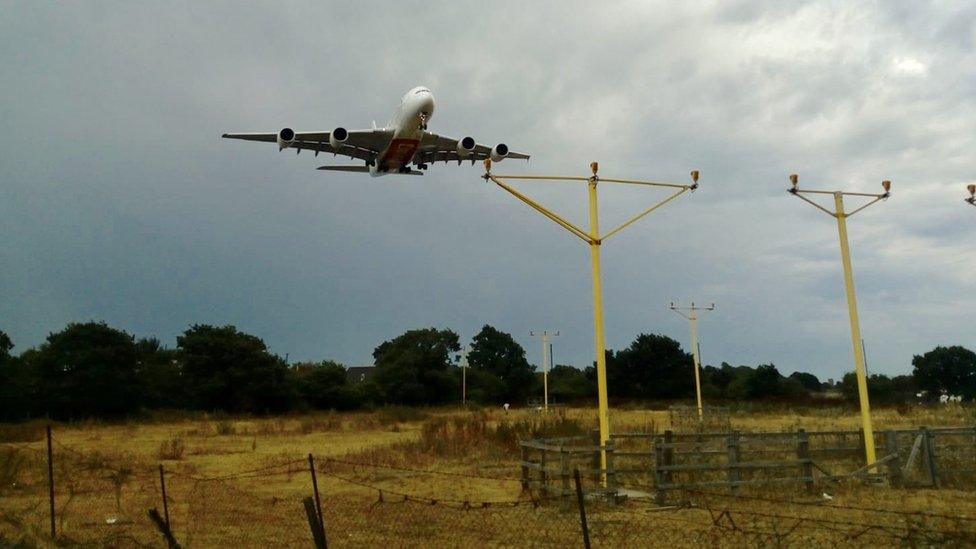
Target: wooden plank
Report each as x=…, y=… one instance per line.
x=740, y=465
x=912, y=455
x=720, y=483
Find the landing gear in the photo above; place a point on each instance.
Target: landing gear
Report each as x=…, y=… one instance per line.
x=404, y=169
x=423, y=121
x=421, y=166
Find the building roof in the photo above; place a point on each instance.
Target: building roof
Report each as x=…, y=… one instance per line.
x=358, y=374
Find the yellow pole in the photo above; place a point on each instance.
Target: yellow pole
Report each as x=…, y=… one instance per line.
x=601, y=359
x=694, y=351
x=859, y=369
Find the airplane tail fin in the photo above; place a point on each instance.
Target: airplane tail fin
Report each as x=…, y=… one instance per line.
x=374, y=125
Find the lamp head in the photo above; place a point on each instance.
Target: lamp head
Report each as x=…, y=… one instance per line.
x=594, y=166
x=793, y=179
x=972, y=190
x=887, y=185
x=694, y=175
x=487, y=165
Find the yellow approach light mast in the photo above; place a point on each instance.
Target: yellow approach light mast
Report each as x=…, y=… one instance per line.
x=841, y=215
x=594, y=239
x=692, y=316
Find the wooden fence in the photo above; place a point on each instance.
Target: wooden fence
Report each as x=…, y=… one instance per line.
x=669, y=461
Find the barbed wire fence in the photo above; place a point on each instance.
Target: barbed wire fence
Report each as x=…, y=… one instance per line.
x=104, y=500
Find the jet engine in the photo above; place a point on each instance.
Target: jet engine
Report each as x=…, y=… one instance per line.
x=285, y=138
x=499, y=152
x=465, y=146
x=338, y=137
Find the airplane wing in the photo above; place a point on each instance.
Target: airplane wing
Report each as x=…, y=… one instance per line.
x=361, y=144
x=440, y=148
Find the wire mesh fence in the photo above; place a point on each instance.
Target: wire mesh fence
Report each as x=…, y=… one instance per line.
x=102, y=500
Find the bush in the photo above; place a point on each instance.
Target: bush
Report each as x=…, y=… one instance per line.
x=172, y=449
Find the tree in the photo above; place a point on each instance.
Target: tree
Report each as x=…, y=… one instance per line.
x=654, y=366
x=15, y=384
x=949, y=369
x=415, y=368
x=808, y=381
x=497, y=354
x=6, y=345
x=160, y=375
x=567, y=384
x=881, y=388
x=324, y=386
x=225, y=369
x=87, y=370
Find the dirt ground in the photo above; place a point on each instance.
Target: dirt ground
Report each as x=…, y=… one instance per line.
x=437, y=477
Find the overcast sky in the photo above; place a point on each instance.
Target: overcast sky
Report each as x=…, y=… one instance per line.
x=119, y=201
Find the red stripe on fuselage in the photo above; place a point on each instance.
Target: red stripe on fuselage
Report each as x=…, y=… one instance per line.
x=399, y=153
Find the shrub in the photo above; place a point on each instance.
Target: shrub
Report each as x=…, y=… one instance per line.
x=172, y=449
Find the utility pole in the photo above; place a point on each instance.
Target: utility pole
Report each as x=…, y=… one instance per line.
x=972, y=194
x=692, y=317
x=860, y=368
x=594, y=239
x=545, y=336
x=463, y=363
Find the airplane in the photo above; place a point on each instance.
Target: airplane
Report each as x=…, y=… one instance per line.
x=392, y=149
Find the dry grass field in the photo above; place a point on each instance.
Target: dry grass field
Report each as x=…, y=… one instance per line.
x=441, y=477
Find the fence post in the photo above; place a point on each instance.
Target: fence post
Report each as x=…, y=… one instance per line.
x=930, y=456
x=525, y=466
x=318, y=530
x=582, y=509
x=611, y=471
x=50, y=480
x=668, y=454
x=564, y=477
x=318, y=502
x=658, y=472
x=732, y=449
x=894, y=466
x=803, y=455
x=543, y=477
x=163, y=529
x=597, y=462
x=162, y=485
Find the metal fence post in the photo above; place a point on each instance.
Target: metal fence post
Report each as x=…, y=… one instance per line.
x=582, y=509
x=318, y=531
x=525, y=466
x=611, y=471
x=732, y=449
x=50, y=481
x=317, y=502
x=162, y=485
x=803, y=455
x=931, y=457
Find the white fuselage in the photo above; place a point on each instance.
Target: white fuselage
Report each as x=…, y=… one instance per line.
x=409, y=124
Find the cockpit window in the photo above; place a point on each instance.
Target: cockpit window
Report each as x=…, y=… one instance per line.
x=421, y=90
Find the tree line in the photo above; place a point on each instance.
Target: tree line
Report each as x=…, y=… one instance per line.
x=91, y=369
